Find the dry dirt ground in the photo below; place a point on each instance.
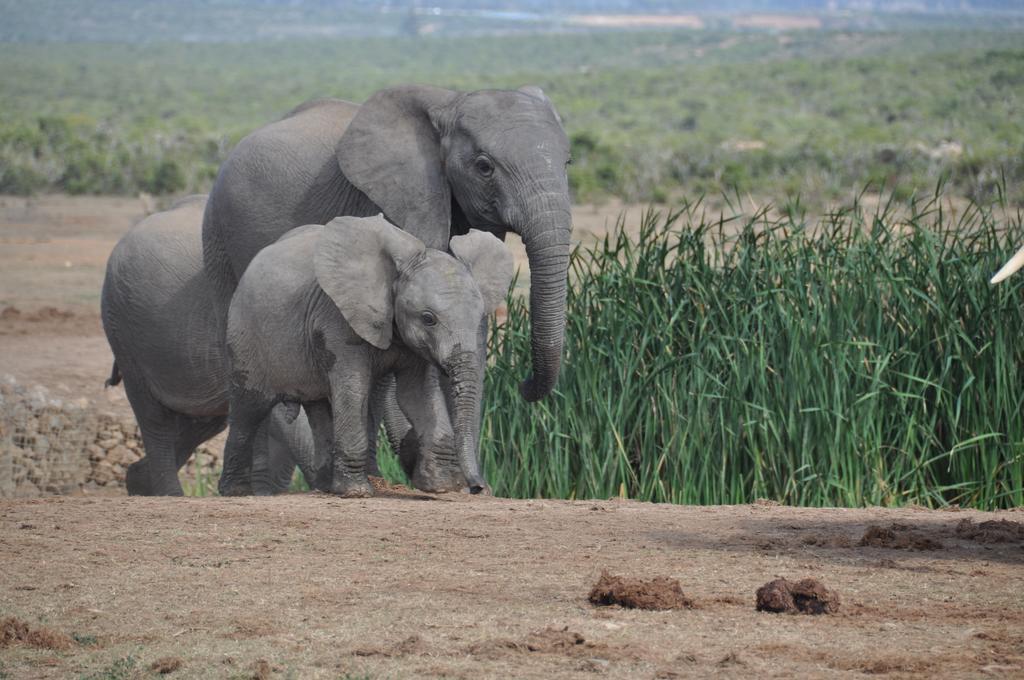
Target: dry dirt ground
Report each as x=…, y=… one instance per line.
x=408, y=585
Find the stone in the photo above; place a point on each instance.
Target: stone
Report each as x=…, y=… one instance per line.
x=120, y=455
x=41, y=445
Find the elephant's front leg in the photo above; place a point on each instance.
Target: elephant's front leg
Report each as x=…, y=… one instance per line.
x=421, y=399
x=350, y=400
x=384, y=408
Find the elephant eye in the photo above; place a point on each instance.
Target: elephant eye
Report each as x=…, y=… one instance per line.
x=428, y=319
x=568, y=161
x=484, y=166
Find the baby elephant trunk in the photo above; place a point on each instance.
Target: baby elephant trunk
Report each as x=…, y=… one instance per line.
x=466, y=380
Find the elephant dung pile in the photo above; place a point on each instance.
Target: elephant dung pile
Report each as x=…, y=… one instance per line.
x=657, y=593
x=56, y=446
x=898, y=537
x=808, y=596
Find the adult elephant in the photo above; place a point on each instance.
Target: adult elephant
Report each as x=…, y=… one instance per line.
x=436, y=162
x=161, y=323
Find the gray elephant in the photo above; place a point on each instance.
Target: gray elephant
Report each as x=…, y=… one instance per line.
x=436, y=162
x=323, y=313
x=161, y=323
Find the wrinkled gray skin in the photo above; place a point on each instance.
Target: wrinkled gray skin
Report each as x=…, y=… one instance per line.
x=321, y=315
x=436, y=162
x=160, y=320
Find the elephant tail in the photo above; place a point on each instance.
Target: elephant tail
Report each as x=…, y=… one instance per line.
x=115, y=376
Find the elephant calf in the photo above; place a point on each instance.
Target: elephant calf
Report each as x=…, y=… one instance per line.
x=320, y=316
x=160, y=321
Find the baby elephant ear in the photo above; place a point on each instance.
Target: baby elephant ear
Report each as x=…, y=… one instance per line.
x=489, y=261
x=357, y=261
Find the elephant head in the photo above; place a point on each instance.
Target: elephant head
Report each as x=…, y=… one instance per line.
x=437, y=162
x=382, y=278
x=1011, y=266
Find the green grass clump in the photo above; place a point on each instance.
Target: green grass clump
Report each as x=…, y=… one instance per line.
x=861, y=360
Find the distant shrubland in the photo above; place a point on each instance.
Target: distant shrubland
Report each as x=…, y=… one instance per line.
x=651, y=115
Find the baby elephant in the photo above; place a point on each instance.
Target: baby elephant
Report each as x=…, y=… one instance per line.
x=326, y=311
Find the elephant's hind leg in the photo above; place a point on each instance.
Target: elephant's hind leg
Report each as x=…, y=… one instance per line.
x=193, y=431
x=168, y=437
x=245, y=419
x=384, y=408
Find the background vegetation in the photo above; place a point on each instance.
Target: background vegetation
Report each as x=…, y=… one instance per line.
x=865, y=360
x=652, y=115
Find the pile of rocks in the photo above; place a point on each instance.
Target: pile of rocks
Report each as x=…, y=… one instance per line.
x=117, y=445
x=58, y=446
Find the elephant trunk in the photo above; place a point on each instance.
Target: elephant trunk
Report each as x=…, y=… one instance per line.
x=464, y=374
x=547, y=247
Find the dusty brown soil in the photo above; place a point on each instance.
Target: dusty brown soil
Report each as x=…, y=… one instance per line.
x=411, y=585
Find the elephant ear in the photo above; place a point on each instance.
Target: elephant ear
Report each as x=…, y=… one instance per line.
x=391, y=151
x=357, y=261
x=489, y=261
x=538, y=93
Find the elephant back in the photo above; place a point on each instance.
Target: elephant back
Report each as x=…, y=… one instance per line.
x=281, y=176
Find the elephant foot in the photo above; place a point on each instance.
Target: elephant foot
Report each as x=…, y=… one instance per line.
x=235, y=488
x=354, y=486
x=324, y=477
x=435, y=478
x=484, y=490
x=136, y=479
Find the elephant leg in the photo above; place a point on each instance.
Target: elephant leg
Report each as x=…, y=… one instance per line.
x=321, y=425
x=263, y=482
x=136, y=478
x=351, y=389
x=245, y=419
x=157, y=473
x=193, y=431
x=289, y=443
x=384, y=408
x=431, y=438
x=172, y=435
x=409, y=452
x=376, y=416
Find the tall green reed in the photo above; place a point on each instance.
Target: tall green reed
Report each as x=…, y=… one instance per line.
x=862, y=359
